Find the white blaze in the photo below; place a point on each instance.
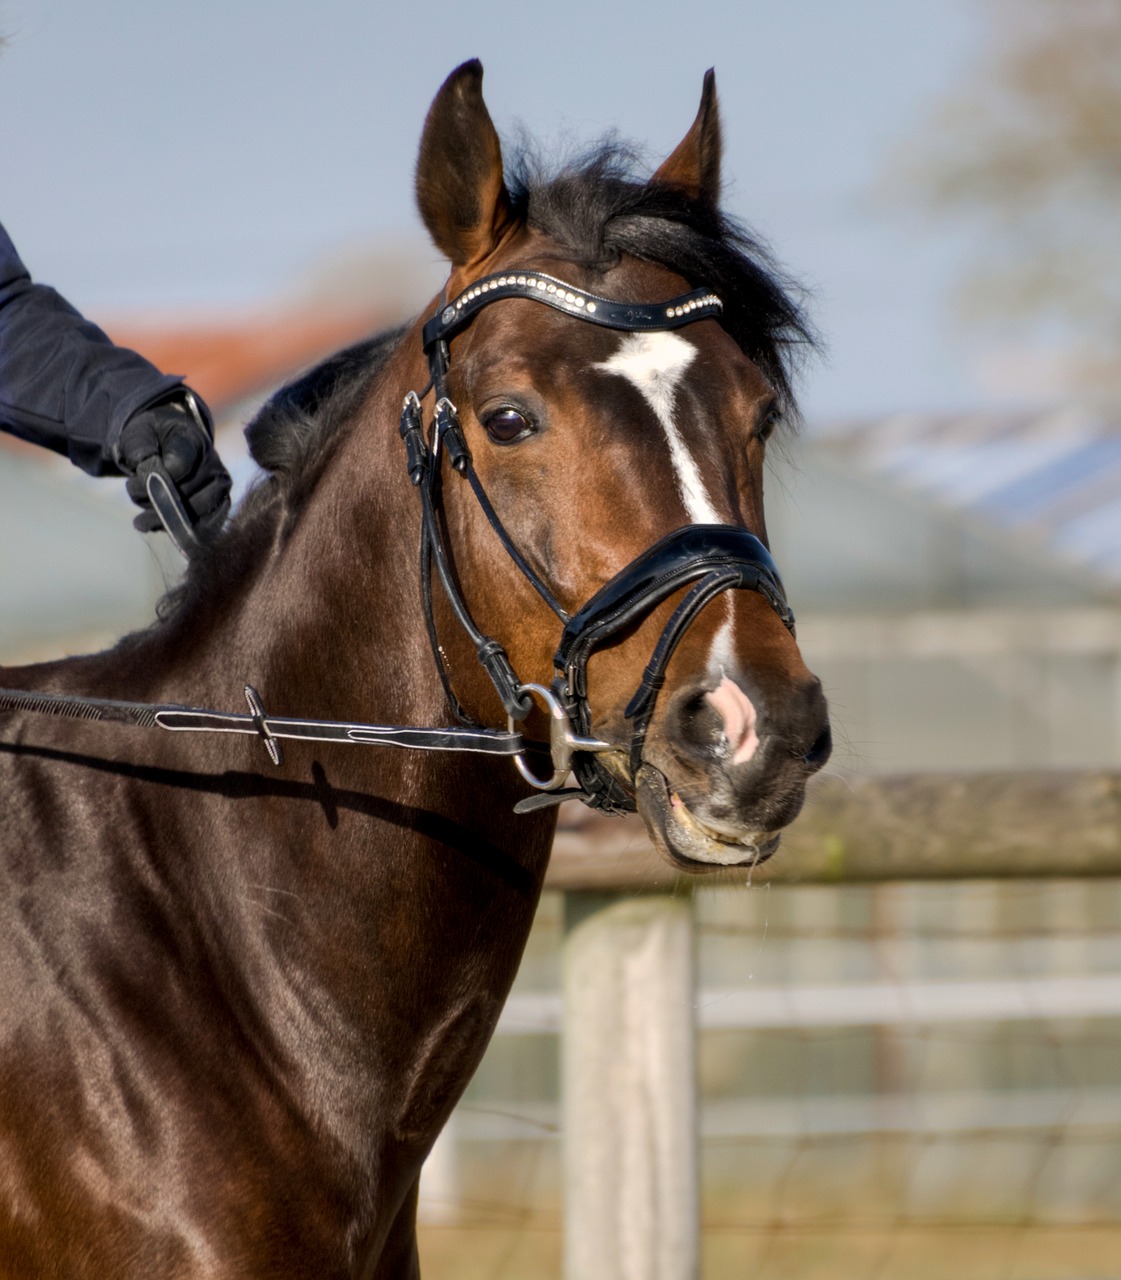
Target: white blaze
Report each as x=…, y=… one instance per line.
x=655, y=363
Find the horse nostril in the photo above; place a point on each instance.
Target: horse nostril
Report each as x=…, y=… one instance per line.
x=821, y=750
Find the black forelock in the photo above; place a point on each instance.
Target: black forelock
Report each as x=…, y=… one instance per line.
x=600, y=210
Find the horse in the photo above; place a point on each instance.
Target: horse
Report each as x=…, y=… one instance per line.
x=240, y=999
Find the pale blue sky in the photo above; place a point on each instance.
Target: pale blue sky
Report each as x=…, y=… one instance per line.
x=160, y=155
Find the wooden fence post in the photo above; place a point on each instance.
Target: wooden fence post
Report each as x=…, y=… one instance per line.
x=628, y=1082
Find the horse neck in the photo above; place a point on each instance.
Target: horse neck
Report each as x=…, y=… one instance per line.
x=319, y=595
x=408, y=854
x=356, y=916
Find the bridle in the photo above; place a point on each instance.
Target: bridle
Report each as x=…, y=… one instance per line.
x=713, y=558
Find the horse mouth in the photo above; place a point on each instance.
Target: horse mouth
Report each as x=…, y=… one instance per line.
x=684, y=839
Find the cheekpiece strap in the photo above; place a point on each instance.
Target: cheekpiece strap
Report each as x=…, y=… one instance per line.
x=699, y=304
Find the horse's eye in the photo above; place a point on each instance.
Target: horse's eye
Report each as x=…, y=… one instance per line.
x=507, y=425
x=767, y=424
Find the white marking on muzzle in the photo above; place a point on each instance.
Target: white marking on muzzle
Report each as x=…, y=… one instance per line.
x=655, y=363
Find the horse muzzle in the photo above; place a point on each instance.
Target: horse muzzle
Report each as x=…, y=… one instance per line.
x=723, y=776
x=708, y=560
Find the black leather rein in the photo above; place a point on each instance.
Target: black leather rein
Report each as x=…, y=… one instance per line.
x=713, y=558
x=182, y=719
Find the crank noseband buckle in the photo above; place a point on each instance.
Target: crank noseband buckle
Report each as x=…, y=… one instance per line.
x=564, y=742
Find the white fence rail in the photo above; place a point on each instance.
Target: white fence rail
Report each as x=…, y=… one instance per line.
x=862, y=1004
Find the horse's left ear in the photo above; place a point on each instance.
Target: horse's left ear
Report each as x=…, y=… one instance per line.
x=459, y=187
x=694, y=166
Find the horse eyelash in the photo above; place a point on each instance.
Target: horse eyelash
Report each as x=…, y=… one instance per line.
x=767, y=424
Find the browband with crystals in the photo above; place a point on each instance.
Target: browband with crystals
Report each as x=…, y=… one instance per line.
x=634, y=316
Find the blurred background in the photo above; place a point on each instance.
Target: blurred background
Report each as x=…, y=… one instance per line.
x=226, y=186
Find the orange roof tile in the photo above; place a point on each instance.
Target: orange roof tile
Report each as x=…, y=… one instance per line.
x=226, y=361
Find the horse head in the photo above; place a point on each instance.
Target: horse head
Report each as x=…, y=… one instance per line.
x=617, y=435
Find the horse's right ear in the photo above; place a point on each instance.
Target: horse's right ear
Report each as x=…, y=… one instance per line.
x=459, y=187
x=694, y=166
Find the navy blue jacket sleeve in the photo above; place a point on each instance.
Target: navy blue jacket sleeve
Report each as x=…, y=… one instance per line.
x=63, y=383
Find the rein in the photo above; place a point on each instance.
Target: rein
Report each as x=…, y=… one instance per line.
x=714, y=558
x=182, y=719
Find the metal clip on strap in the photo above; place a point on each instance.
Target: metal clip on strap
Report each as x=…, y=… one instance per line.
x=563, y=742
x=416, y=450
x=450, y=434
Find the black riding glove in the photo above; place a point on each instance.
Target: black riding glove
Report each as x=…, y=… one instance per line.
x=176, y=432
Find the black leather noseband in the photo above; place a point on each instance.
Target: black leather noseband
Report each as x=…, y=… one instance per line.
x=715, y=558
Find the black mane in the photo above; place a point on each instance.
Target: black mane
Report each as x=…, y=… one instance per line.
x=289, y=435
x=292, y=438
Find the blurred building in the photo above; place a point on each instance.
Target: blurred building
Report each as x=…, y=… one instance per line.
x=958, y=585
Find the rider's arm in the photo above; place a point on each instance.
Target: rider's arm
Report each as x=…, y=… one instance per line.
x=63, y=384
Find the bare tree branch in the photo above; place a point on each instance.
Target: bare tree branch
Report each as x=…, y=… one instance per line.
x=1029, y=150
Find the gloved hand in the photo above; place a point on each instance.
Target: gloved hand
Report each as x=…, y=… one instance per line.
x=176, y=432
